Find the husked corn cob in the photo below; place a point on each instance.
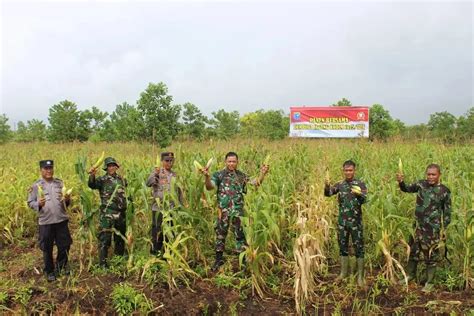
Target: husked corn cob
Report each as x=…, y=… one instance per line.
x=66, y=191
x=209, y=163
x=469, y=231
x=40, y=191
x=356, y=189
x=99, y=161
x=198, y=166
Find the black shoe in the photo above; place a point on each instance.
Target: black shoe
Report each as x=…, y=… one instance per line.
x=157, y=253
x=51, y=277
x=219, y=261
x=104, y=265
x=62, y=271
x=217, y=265
x=65, y=271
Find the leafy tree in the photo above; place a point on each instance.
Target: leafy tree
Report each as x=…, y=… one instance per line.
x=83, y=130
x=124, y=124
x=443, y=125
x=33, y=130
x=249, y=124
x=381, y=124
x=419, y=131
x=275, y=124
x=21, y=133
x=343, y=102
x=5, y=132
x=400, y=127
x=91, y=123
x=194, y=121
x=225, y=124
x=64, y=120
x=158, y=114
x=97, y=118
x=466, y=124
x=270, y=124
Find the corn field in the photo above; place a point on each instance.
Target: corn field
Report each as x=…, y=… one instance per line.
x=289, y=225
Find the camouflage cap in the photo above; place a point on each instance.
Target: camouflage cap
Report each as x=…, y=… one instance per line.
x=167, y=154
x=108, y=161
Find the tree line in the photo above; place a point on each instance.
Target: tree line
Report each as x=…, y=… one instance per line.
x=154, y=117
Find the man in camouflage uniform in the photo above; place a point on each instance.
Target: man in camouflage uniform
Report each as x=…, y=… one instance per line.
x=351, y=194
x=433, y=215
x=231, y=185
x=50, y=204
x=113, y=208
x=160, y=180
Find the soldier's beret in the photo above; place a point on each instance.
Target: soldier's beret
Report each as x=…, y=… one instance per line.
x=46, y=163
x=167, y=154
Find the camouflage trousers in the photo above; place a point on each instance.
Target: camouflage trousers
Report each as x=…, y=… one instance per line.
x=226, y=217
x=354, y=231
x=107, y=222
x=425, y=243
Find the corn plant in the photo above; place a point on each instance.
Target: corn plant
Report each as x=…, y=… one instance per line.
x=289, y=225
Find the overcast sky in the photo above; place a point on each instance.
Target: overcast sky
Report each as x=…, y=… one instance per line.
x=414, y=58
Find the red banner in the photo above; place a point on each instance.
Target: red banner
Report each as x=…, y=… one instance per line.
x=331, y=121
x=350, y=113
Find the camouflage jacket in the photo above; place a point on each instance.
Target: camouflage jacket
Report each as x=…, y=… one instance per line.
x=433, y=204
x=231, y=187
x=107, y=185
x=350, y=204
x=161, y=182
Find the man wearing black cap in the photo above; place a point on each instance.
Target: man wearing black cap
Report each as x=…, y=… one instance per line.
x=113, y=208
x=45, y=196
x=161, y=181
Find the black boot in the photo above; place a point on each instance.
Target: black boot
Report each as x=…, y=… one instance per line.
x=62, y=270
x=219, y=261
x=51, y=276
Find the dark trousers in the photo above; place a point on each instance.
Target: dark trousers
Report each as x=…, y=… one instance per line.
x=157, y=236
x=105, y=236
x=55, y=234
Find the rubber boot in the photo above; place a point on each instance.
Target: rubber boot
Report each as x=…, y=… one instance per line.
x=411, y=271
x=219, y=261
x=360, y=272
x=344, y=268
x=429, y=286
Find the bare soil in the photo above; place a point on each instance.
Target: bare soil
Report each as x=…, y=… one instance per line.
x=89, y=293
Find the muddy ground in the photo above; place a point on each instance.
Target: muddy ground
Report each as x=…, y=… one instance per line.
x=89, y=293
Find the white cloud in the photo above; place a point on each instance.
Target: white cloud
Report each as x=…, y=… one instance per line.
x=414, y=58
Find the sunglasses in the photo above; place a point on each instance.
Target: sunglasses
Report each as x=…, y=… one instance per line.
x=169, y=160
